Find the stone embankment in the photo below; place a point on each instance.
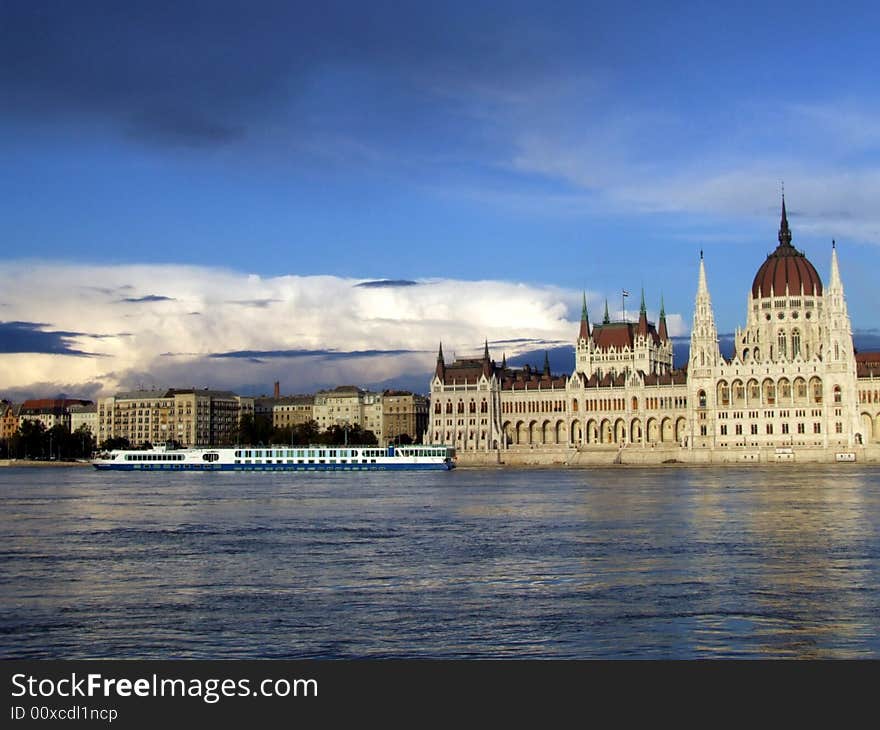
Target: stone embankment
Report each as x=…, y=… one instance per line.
x=663, y=456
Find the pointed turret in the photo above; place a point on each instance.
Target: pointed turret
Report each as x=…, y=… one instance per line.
x=834, y=281
x=664, y=335
x=440, y=370
x=584, y=332
x=487, y=363
x=504, y=361
x=606, y=319
x=643, y=317
x=704, y=337
x=546, y=364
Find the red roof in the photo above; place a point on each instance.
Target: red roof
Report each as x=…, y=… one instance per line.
x=620, y=335
x=868, y=364
x=38, y=404
x=786, y=266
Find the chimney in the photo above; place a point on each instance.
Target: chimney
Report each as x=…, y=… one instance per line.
x=277, y=389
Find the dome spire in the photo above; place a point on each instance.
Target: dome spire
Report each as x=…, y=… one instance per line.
x=784, y=230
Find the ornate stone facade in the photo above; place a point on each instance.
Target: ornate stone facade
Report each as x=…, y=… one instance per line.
x=792, y=383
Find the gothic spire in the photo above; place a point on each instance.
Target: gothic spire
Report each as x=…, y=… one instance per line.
x=784, y=230
x=440, y=370
x=606, y=319
x=834, y=278
x=704, y=336
x=585, y=321
x=643, y=316
x=546, y=363
x=702, y=287
x=486, y=350
x=664, y=334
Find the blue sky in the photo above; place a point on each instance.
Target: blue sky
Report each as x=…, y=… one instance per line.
x=561, y=146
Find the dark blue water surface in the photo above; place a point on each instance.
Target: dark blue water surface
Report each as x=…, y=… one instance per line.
x=663, y=562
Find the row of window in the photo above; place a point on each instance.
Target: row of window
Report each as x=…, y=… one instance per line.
x=768, y=429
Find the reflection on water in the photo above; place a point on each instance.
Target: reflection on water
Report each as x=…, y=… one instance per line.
x=496, y=563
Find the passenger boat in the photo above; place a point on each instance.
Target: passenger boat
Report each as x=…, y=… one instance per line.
x=280, y=458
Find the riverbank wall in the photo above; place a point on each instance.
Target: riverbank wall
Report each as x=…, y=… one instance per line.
x=660, y=456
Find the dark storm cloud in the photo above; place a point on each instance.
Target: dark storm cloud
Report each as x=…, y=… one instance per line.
x=148, y=298
x=386, y=283
x=86, y=391
x=324, y=354
x=32, y=337
x=561, y=359
x=203, y=73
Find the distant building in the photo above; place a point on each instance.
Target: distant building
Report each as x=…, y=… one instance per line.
x=190, y=417
x=8, y=419
x=294, y=410
x=403, y=413
x=49, y=411
x=84, y=416
x=263, y=408
x=348, y=404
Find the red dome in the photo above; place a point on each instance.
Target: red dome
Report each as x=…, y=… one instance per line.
x=786, y=266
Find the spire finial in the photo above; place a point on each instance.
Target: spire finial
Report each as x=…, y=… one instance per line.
x=701, y=254
x=833, y=243
x=662, y=307
x=606, y=319
x=784, y=230
x=486, y=350
x=642, y=308
x=440, y=353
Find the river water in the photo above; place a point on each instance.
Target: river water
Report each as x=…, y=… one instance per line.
x=636, y=563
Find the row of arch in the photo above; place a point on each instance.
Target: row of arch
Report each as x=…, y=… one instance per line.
x=618, y=431
x=768, y=392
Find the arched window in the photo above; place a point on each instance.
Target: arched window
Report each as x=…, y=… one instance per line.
x=449, y=407
x=795, y=343
x=780, y=341
x=836, y=351
x=837, y=394
x=702, y=398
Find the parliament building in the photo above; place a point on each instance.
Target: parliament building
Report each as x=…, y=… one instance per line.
x=793, y=388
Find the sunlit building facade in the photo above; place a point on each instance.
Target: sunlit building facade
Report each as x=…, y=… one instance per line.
x=793, y=381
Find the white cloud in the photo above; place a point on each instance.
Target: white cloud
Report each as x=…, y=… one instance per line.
x=199, y=312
